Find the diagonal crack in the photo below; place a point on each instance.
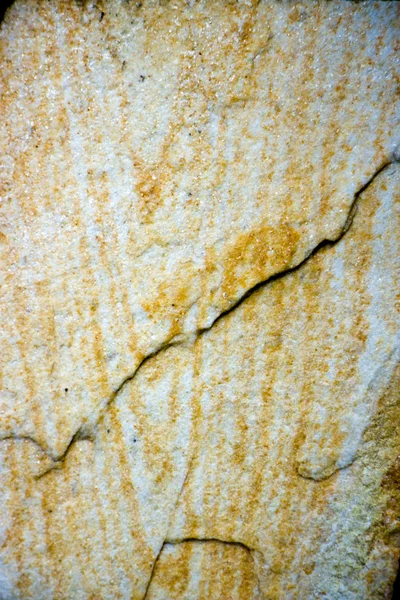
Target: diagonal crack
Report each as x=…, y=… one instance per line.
x=86, y=431
x=146, y=592
x=188, y=470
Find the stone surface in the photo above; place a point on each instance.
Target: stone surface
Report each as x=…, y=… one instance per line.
x=158, y=160
x=276, y=431
x=146, y=187
x=206, y=570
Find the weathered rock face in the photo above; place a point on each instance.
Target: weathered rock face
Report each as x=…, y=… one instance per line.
x=161, y=159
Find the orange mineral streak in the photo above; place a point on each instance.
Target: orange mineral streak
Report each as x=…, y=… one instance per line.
x=251, y=256
x=230, y=570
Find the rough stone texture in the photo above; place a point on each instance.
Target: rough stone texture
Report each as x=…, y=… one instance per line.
x=158, y=162
x=277, y=430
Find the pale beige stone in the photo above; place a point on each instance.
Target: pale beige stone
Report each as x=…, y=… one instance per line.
x=159, y=159
x=276, y=431
x=158, y=162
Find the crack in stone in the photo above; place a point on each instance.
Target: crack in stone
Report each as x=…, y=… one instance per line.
x=28, y=438
x=86, y=431
x=206, y=540
x=319, y=478
x=378, y=385
x=176, y=542
x=172, y=513
x=146, y=592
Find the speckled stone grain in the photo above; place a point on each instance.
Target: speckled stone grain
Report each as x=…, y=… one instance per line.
x=199, y=237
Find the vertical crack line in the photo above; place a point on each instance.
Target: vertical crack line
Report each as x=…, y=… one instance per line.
x=169, y=522
x=188, y=470
x=146, y=592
